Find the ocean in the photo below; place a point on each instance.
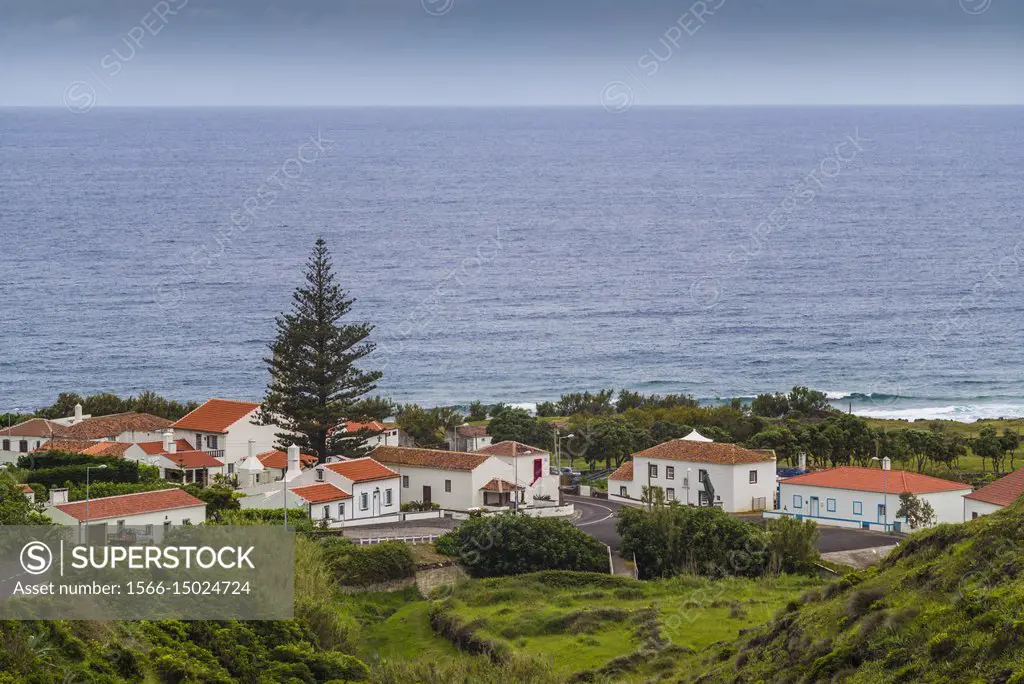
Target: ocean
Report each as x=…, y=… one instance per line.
x=516, y=254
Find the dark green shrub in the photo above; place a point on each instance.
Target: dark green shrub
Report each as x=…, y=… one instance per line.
x=860, y=602
x=362, y=565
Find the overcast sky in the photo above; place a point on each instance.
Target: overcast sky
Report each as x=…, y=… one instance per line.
x=511, y=52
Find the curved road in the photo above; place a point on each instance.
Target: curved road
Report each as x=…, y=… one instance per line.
x=597, y=518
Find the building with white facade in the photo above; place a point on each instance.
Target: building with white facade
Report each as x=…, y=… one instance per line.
x=694, y=470
x=531, y=468
x=346, y=489
x=130, y=427
x=223, y=428
x=383, y=434
x=994, y=496
x=468, y=438
x=867, y=498
x=26, y=437
x=454, y=480
x=143, y=515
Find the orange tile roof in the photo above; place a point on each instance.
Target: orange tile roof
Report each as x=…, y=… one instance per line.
x=216, y=415
x=362, y=470
x=35, y=427
x=505, y=449
x=705, y=452
x=26, y=489
x=471, y=430
x=189, y=460
x=74, y=446
x=876, y=480
x=499, y=485
x=623, y=472
x=1003, y=491
x=428, y=458
x=154, y=448
x=279, y=459
x=373, y=426
x=114, y=424
x=131, y=504
x=321, y=493
x=107, y=449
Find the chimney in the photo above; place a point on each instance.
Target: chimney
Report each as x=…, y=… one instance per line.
x=170, y=446
x=78, y=414
x=886, y=464
x=293, y=463
x=252, y=448
x=803, y=461
x=58, y=496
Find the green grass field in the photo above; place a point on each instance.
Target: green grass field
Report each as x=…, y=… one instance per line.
x=576, y=622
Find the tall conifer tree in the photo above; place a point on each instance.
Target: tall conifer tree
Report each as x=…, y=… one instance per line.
x=314, y=381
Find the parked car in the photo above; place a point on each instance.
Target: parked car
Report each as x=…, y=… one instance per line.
x=571, y=472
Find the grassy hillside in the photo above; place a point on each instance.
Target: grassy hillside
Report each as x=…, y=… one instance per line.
x=562, y=626
x=948, y=606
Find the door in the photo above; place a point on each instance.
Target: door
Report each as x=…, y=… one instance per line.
x=426, y=494
x=814, y=507
x=881, y=513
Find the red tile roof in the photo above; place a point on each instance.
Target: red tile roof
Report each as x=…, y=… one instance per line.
x=505, y=449
x=321, y=493
x=189, y=460
x=623, y=472
x=499, y=485
x=35, y=427
x=1003, y=491
x=114, y=424
x=471, y=430
x=705, y=452
x=876, y=480
x=154, y=448
x=279, y=459
x=362, y=470
x=26, y=489
x=107, y=449
x=73, y=446
x=428, y=458
x=131, y=504
x=373, y=426
x=216, y=415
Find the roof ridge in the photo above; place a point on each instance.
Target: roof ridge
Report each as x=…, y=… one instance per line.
x=121, y=496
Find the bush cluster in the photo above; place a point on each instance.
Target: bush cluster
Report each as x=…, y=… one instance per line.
x=362, y=565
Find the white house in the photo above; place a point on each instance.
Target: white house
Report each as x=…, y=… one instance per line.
x=346, y=489
x=531, y=468
x=994, y=496
x=696, y=471
x=387, y=434
x=26, y=437
x=468, y=438
x=275, y=463
x=223, y=429
x=143, y=515
x=177, y=460
x=456, y=481
x=867, y=498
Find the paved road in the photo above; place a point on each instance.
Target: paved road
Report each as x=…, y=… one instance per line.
x=597, y=518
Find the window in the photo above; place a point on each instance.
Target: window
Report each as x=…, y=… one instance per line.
x=702, y=475
x=974, y=515
x=670, y=472
x=670, y=494
x=622, y=491
x=652, y=470
x=327, y=512
x=798, y=501
x=231, y=468
x=148, y=529
x=858, y=508
x=830, y=505
x=257, y=478
x=387, y=497
x=364, y=501
x=341, y=511
x=120, y=525
x=186, y=521
x=23, y=446
x=753, y=477
x=7, y=445
x=686, y=482
x=319, y=474
x=447, y=485
x=405, y=482
x=199, y=440
x=167, y=523
x=211, y=442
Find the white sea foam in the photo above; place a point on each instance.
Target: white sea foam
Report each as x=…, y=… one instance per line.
x=964, y=413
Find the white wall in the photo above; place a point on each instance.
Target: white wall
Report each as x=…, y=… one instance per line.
x=235, y=442
x=948, y=506
x=135, y=436
x=733, y=489
x=546, y=485
x=11, y=455
x=460, y=498
x=979, y=508
x=375, y=506
x=195, y=515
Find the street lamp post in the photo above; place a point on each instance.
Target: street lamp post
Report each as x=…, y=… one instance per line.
x=87, y=469
x=568, y=436
x=687, y=486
